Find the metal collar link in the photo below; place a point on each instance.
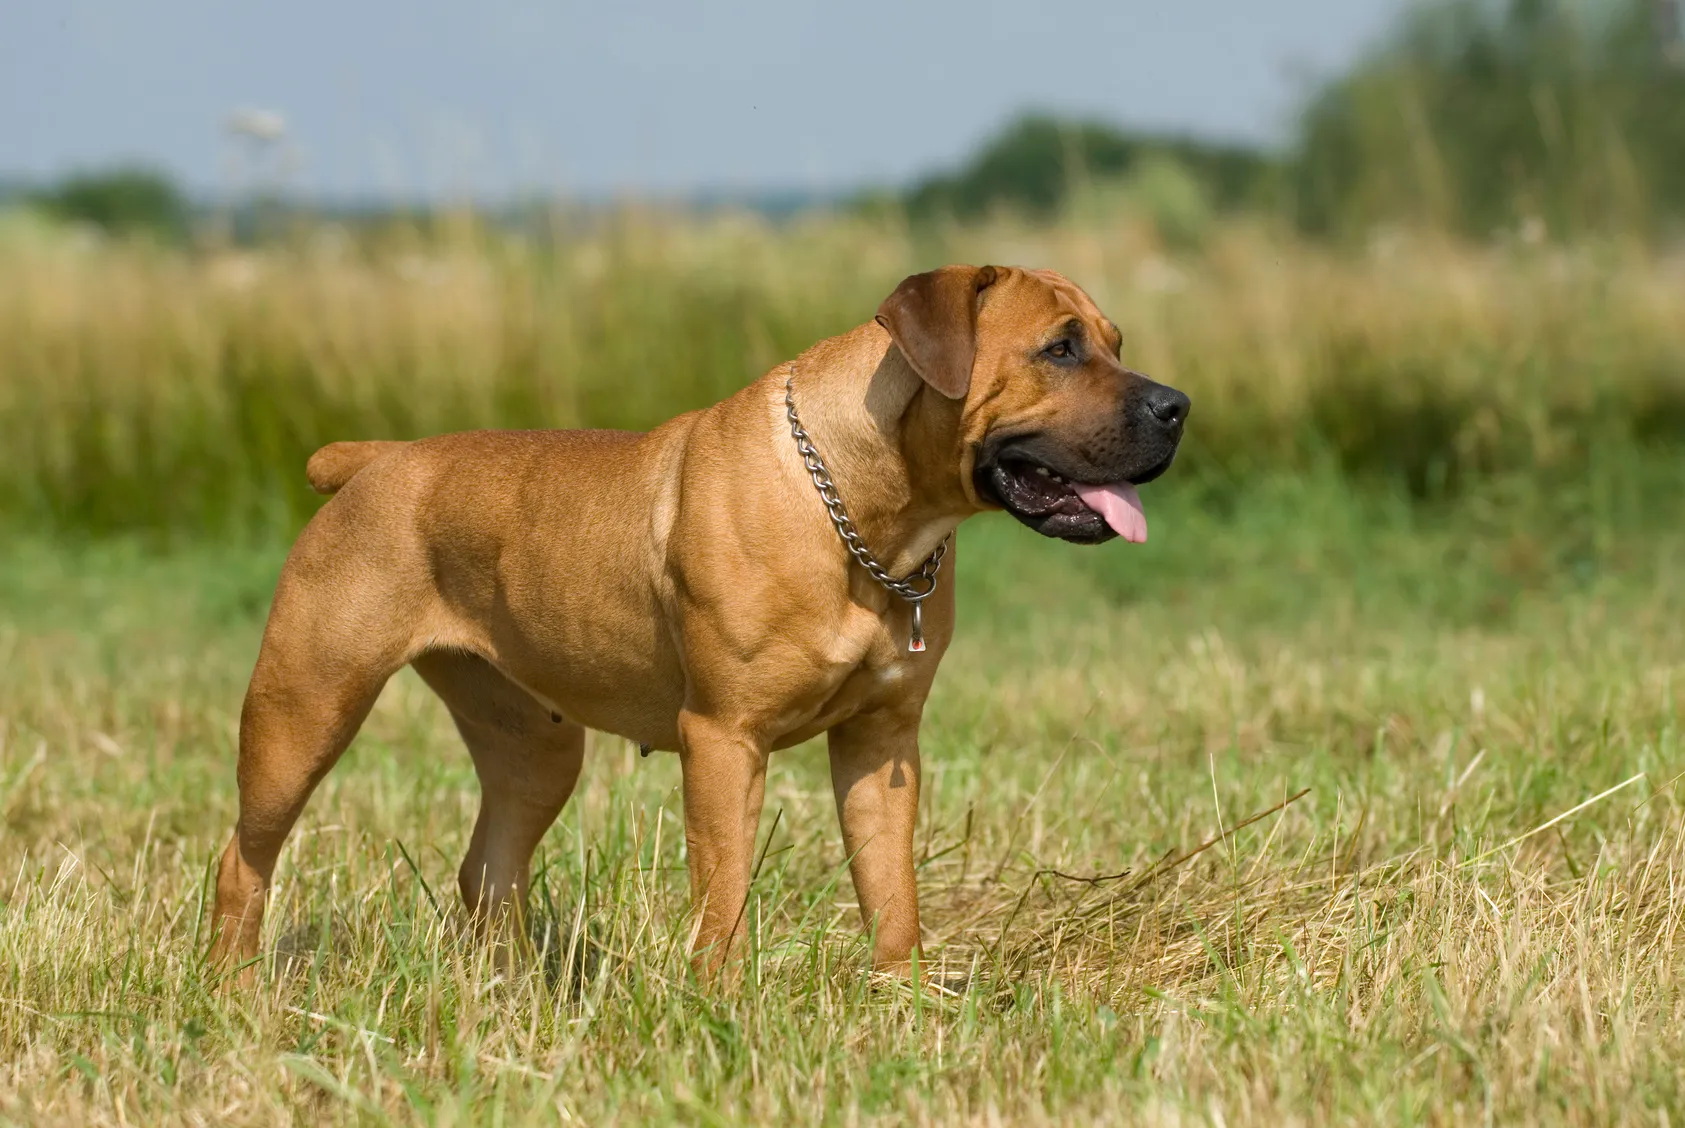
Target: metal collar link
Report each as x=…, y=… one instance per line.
x=916, y=588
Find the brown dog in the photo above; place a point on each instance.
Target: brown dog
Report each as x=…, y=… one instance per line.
x=686, y=588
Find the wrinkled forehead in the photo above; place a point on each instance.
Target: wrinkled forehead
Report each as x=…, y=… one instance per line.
x=1060, y=297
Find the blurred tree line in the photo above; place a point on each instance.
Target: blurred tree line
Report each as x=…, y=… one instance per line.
x=1479, y=115
x=1038, y=161
x=123, y=201
x=1474, y=115
x=1558, y=117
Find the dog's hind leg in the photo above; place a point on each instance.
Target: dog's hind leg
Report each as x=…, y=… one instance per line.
x=324, y=658
x=528, y=760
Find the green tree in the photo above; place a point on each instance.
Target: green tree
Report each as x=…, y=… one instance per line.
x=1035, y=163
x=121, y=201
x=1477, y=115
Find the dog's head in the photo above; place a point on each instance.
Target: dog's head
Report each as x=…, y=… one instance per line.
x=1053, y=428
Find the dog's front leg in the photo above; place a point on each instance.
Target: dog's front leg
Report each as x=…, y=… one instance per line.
x=875, y=774
x=724, y=785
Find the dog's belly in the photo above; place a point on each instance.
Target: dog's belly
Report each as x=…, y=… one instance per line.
x=627, y=690
x=650, y=718
x=641, y=700
x=632, y=684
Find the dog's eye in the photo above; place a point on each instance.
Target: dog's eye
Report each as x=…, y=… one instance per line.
x=1059, y=350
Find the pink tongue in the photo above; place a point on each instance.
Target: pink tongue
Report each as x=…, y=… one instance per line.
x=1120, y=505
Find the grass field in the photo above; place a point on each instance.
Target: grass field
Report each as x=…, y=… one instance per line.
x=1352, y=797
x=1438, y=681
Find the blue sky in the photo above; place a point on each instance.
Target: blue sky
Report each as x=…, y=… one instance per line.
x=498, y=96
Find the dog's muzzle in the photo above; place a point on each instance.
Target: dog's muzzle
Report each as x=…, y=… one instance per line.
x=1082, y=489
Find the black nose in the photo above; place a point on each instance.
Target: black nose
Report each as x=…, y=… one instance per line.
x=1167, y=405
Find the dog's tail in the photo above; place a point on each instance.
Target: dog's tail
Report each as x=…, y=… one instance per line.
x=337, y=463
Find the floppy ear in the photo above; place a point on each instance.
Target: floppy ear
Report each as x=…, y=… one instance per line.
x=932, y=319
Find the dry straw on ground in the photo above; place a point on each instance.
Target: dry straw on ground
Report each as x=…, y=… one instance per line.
x=1131, y=947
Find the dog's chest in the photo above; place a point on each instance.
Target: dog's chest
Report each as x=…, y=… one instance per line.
x=861, y=691
x=867, y=667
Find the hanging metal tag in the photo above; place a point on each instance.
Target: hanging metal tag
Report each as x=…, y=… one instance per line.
x=915, y=644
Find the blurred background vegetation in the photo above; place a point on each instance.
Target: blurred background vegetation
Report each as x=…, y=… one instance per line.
x=1476, y=116
x=1465, y=265
x=1481, y=117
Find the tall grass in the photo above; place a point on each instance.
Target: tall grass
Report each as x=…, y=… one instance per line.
x=151, y=389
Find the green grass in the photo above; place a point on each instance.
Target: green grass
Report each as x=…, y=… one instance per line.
x=1442, y=678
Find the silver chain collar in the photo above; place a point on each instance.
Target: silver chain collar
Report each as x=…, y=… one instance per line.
x=916, y=588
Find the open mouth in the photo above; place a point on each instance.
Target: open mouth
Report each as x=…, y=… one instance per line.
x=1056, y=506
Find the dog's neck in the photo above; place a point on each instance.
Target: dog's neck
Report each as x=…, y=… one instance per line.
x=888, y=442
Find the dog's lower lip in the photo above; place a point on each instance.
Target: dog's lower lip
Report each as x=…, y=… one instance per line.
x=1069, y=509
x=1154, y=472
x=1035, y=493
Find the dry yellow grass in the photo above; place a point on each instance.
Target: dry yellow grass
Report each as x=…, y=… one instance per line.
x=1372, y=951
